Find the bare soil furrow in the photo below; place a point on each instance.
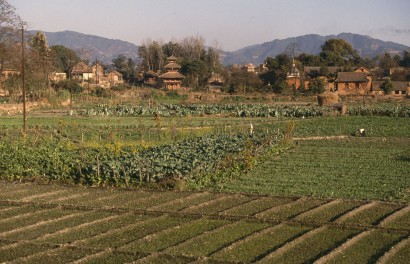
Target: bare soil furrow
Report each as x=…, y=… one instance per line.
x=318, y=209
x=113, y=231
x=21, y=216
x=149, y=237
x=93, y=256
x=71, y=229
x=182, y=200
x=198, y=207
x=16, y=191
x=292, y=244
x=393, y=250
x=27, y=259
x=147, y=259
x=10, y=208
x=42, y=195
x=278, y=207
x=250, y=237
x=342, y=247
x=187, y=241
x=395, y=215
x=73, y=196
x=355, y=211
x=44, y=237
x=40, y=223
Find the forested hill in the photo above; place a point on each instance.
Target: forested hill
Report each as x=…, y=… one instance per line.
x=93, y=47
x=311, y=44
x=104, y=49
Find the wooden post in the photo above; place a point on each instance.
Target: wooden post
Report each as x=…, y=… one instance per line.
x=98, y=168
x=140, y=170
x=148, y=171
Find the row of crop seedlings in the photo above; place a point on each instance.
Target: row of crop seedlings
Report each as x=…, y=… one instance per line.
x=239, y=110
x=225, y=239
x=219, y=239
x=313, y=211
x=353, y=213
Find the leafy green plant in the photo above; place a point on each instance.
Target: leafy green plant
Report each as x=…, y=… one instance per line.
x=199, y=162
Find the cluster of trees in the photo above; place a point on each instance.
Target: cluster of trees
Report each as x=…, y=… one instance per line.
x=40, y=62
x=10, y=25
x=197, y=61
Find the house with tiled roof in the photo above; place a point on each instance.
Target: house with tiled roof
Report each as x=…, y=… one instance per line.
x=215, y=83
x=114, y=78
x=352, y=83
x=81, y=72
x=84, y=74
x=150, y=78
x=399, y=88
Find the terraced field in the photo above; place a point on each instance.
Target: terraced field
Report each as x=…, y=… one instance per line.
x=56, y=224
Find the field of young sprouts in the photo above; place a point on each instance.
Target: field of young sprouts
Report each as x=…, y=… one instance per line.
x=49, y=224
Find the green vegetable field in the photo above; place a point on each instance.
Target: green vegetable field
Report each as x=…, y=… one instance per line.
x=49, y=223
x=206, y=184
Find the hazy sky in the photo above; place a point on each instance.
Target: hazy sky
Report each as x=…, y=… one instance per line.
x=233, y=24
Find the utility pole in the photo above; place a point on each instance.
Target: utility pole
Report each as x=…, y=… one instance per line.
x=24, y=84
x=70, y=84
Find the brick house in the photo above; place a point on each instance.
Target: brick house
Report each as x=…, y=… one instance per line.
x=114, y=78
x=352, y=83
x=399, y=88
x=81, y=72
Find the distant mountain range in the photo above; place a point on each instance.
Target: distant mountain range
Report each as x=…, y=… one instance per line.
x=311, y=44
x=104, y=49
x=92, y=47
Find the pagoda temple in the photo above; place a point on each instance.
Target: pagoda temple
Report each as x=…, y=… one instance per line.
x=293, y=77
x=172, y=78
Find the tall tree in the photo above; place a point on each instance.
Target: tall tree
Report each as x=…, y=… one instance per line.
x=126, y=66
x=310, y=60
x=387, y=62
x=405, y=61
x=172, y=49
x=196, y=72
x=63, y=58
x=193, y=48
x=387, y=86
x=39, y=44
x=317, y=85
x=10, y=25
x=40, y=64
x=152, y=55
x=242, y=81
x=277, y=70
x=212, y=60
x=337, y=52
